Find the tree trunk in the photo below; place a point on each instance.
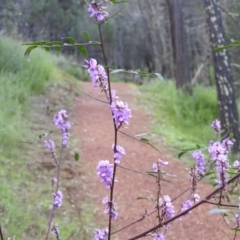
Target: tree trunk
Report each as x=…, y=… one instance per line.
x=179, y=43
x=223, y=77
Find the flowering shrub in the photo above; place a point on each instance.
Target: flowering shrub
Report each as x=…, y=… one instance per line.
x=218, y=164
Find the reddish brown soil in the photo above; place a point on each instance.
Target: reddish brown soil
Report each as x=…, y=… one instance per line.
x=95, y=129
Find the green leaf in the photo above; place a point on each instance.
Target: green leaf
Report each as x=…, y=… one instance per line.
x=113, y=1
x=144, y=198
x=154, y=174
x=236, y=229
x=184, y=151
x=235, y=193
x=47, y=48
x=95, y=42
x=159, y=76
x=82, y=50
x=237, y=42
x=143, y=73
x=118, y=70
x=70, y=39
x=28, y=51
x=58, y=48
x=110, y=67
x=144, y=140
x=76, y=156
x=209, y=173
x=121, y=2
x=35, y=43
x=56, y=43
x=223, y=47
x=86, y=36
x=218, y=210
x=153, y=146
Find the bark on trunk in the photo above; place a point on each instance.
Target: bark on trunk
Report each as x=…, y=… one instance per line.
x=223, y=77
x=179, y=43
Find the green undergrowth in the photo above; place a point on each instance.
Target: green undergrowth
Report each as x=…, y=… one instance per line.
x=182, y=120
x=19, y=80
x=25, y=190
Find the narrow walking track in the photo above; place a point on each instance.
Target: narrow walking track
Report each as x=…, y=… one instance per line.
x=95, y=129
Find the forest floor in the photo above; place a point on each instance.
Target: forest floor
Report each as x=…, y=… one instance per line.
x=93, y=126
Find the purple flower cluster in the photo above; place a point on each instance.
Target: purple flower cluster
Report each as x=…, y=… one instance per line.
x=105, y=172
x=96, y=9
x=61, y=123
x=227, y=143
x=237, y=219
x=158, y=236
x=112, y=206
x=57, y=199
x=186, y=205
x=199, y=158
x=158, y=166
x=166, y=206
x=97, y=74
x=121, y=113
x=219, y=151
x=216, y=125
x=101, y=234
x=49, y=144
x=119, y=153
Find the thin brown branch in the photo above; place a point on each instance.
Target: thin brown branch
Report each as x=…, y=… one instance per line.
x=1, y=235
x=92, y=96
x=212, y=194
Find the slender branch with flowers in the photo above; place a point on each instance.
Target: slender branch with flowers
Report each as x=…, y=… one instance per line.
x=227, y=177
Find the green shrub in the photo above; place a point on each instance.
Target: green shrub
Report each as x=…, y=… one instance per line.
x=182, y=119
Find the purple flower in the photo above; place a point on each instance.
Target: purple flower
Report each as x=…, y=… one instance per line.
x=158, y=166
x=236, y=164
x=57, y=199
x=237, y=219
x=114, y=95
x=222, y=166
x=49, y=144
x=113, y=213
x=158, y=236
x=101, y=234
x=199, y=158
x=91, y=65
x=186, y=205
x=60, y=118
x=121, y=112
x=167, y=206
x=216, y=125
x=119, y=153
x=97, y=73
x=196, y=197
x=219, y=151
x=96, y=9
x=216, y=148
x=105, y=172
x=61, y=123
x=227, y=143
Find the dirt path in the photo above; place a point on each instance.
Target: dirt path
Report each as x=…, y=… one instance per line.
x=95, y=130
